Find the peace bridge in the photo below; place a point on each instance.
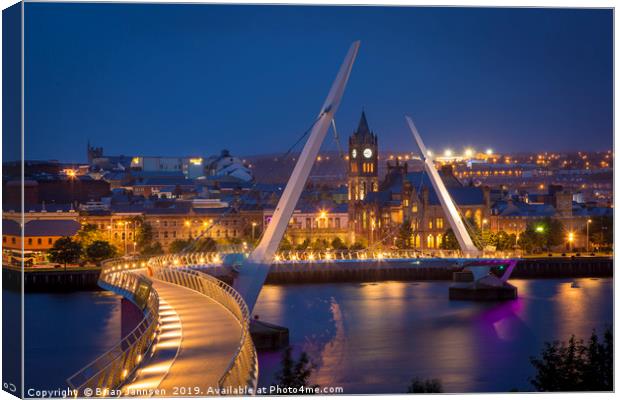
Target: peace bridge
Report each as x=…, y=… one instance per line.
x=194, y=329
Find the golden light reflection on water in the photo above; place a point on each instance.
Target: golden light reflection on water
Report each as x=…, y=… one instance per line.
x=573, y=306
x=270, y=300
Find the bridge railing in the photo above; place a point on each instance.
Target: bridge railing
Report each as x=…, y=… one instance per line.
x=242, y=371
x=110, y=370
x=186, y=259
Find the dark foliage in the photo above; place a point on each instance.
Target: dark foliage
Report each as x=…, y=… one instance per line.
x=425, y=386
x=405, y=233
x=65, y=251
x=575, y=365
x=294, y=374
x=99, y=250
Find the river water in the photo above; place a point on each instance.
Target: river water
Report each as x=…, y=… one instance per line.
x=367, y=338
x=66, y=331
x=375, y=337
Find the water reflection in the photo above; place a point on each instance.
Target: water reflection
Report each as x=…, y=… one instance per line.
x=65, y=331
x=375, y=337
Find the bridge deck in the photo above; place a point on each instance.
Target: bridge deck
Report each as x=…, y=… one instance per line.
x=208, y=338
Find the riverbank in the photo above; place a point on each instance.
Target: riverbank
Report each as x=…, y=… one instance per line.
x=85, y=278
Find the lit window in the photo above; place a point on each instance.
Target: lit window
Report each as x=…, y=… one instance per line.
x=430, y=241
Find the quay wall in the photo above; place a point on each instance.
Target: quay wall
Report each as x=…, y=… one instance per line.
x=328, y=272
x=57, y=280
x=420, y=269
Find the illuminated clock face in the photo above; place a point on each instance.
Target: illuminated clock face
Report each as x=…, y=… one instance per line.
x=367, y=153
x=353, y=153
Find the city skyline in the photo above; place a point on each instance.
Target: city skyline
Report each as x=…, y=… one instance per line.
x=193, y=79
x=182, y=219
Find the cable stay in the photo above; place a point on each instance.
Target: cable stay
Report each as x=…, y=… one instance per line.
x=194, y=244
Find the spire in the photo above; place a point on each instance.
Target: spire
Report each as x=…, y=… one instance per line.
x=362, y=128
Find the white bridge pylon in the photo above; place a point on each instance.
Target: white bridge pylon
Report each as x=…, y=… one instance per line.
x=456, y=223
x=253, y=272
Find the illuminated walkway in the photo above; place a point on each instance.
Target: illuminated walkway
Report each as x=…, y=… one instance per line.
x=195, y=345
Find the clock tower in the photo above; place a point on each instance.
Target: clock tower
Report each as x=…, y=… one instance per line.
x=363, y=179
x=363, y=161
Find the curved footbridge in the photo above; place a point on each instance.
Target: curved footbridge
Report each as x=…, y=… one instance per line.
x=193, y=339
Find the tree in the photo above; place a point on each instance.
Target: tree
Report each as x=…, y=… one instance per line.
x=205, y=245
x=178, y=245
x=338, y=244
x=357, y=246
x=575, y=365
x=542, y=235
x=502, y=240
x=99, y=250
x=294, y=374
x=153, y=249
x=144, y=238
x=303, y=245
x=65, y=250
x=601, y=231
x=320, y=245
x=449, y=241
x=285, y=245
x=89, y=233
x=403, y=239
x=425, y=386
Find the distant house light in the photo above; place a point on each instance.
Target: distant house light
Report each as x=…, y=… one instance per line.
x=196, y=161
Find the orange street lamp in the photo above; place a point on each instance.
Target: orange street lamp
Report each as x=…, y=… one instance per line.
x=571, y=239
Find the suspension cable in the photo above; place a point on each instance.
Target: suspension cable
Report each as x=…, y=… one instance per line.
x=230, y=209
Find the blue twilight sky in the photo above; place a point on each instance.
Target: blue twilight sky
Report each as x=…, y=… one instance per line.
x=193, y=79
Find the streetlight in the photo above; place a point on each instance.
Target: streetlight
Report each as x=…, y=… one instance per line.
x=540, y=229
x=571, y=238
x=588, y=235
x=253, y=229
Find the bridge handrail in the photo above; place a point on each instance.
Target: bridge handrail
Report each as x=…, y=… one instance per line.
x=186, y=259
x=214, y=258
x=242, y=370
x=109, y=371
